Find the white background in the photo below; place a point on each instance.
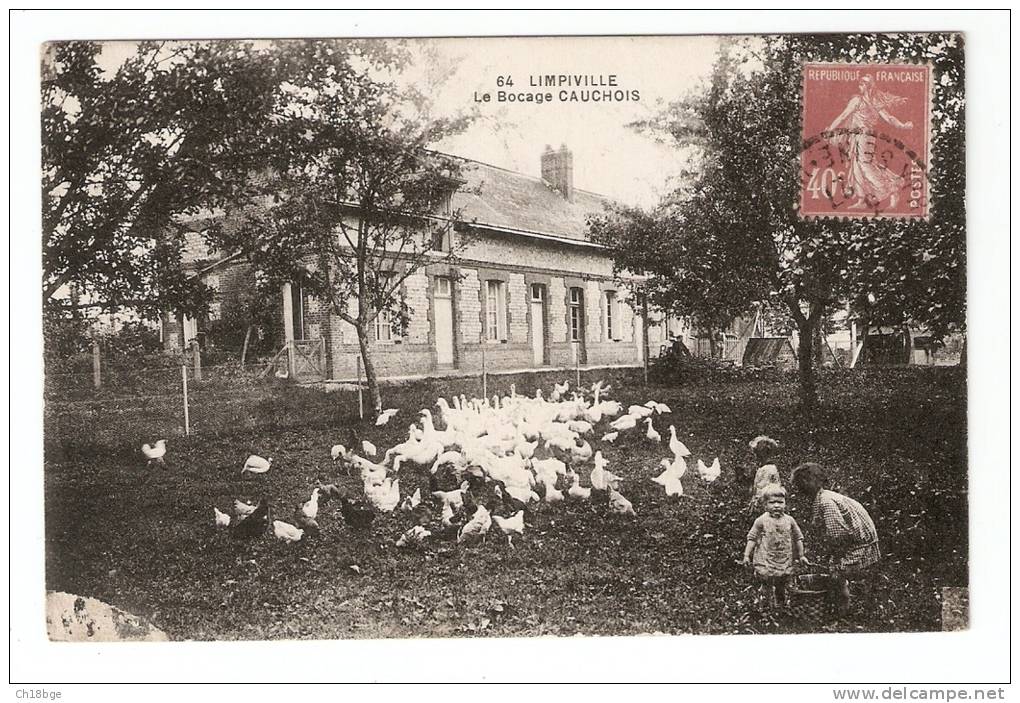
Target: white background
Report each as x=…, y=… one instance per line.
x=981, y=654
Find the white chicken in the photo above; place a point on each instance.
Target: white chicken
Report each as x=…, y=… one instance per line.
x=286, y=532
x=477, y=526
x=255, y=464
x=415, y=535
x=624, y=422
x=552, y=494
x=384, y=496
x=610, y=437
x=711, y=472
x=576, y=491
x=670, y=478
x=580, y=426
x=510, y=526
x=673, y=486
x=222, y=519
x=446, y=515
x=639, y=411
x=580, y=454
x=310, y=508
x=413, y=501
x=368, y=448
x=652, y=434
x=385, y=416
x=243, y=509
x=620, y=505
x=600, y=478
x=676, y=446
x=155, y=452
x=559, y=390
x=453, y=499
x=338, y=452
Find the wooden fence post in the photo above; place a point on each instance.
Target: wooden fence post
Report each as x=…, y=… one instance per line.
x=184, y=385
x=196, y=355
x=485, y=376
x=361, y=401
x=577, y=365
x=97, y=376
x=644, y=342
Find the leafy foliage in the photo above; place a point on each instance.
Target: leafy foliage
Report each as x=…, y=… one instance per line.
x=730, y=237
x=131, y=150
x=353, y=201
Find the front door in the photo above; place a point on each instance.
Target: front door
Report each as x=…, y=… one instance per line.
x=443, y=304
x=537, y=324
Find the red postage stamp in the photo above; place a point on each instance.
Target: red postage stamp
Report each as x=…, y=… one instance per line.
x=865, y=140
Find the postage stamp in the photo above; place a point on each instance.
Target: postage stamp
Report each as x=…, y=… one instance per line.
x=865, y=132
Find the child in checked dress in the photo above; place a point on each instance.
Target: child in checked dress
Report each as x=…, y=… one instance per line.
x=846, y=531
x=774, y=544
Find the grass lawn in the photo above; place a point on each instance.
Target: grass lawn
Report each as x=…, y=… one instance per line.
x=144, y=540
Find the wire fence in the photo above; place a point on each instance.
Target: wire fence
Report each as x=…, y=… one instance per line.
x=132, y=400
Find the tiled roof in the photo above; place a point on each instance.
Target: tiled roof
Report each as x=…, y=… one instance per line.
x=503, y=199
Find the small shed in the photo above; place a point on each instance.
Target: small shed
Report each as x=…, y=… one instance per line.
x=770, y=351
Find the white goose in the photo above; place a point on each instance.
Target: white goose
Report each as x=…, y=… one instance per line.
x=678, y=448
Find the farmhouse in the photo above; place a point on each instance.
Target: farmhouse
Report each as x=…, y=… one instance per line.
x=529, y=290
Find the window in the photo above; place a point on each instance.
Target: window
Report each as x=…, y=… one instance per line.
x=495, y=310
x=611, y=316
x=537, y=292
x=576, y=314
x=383, y=327
x=298, y=301
x=442, y=237
x=443, y=287
x=384, y=320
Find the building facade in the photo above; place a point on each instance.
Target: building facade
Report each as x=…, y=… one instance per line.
x=528, y=290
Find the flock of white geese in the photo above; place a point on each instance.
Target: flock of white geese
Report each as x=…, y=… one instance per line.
x=498, y=457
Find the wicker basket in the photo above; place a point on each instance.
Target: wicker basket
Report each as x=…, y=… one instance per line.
x=810, y=601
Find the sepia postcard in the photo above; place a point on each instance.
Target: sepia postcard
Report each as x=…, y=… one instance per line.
x=505, y=337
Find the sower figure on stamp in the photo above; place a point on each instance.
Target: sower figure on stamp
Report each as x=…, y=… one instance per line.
x=867, y=180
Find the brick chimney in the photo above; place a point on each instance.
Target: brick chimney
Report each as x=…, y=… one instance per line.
x=558, y=170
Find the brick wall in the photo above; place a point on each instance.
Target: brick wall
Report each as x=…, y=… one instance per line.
x=469, y=307
x=557, y=310
x=416, y=289
x=517, y=304
x=593, y=312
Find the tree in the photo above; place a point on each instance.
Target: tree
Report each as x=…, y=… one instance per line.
x=354, y=203
x=130, y=148
x=737, y=212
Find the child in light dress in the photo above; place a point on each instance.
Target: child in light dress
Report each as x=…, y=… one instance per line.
x=764, y=449
x=774, y=545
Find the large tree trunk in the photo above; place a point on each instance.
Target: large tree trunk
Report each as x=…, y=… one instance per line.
x=806, y=364
x=366, y=359
x=819, y=343
x=806, y=342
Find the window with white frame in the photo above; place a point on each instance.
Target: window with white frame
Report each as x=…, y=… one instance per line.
x=611, y=317
x=495, y=310
x=576, y=314
x=384, y=320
